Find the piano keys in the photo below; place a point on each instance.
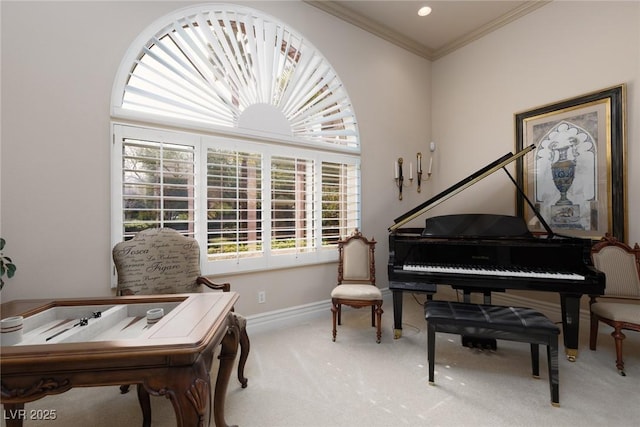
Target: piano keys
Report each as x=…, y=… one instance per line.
x=490, y=253
x=493, y=272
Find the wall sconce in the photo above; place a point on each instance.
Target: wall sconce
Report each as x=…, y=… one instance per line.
x=399, y=176
x=419, y=169
x=432, y=148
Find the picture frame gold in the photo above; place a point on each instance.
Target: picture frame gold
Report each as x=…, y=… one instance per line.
x=576, y=175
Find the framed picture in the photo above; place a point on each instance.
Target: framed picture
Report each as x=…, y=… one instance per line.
x=575, y=176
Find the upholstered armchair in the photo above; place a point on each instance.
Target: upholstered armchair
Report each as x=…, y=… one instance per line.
x=619, y=307
x=357, y=281
x=163, y=261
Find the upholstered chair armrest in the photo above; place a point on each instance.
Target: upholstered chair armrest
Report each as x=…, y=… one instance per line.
x=224, y=287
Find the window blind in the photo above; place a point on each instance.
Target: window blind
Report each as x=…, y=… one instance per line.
x=157, y=186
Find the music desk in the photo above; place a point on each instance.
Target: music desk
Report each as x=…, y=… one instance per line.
x=170, y=358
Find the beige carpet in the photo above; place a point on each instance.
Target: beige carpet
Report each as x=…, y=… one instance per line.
x=299, y=377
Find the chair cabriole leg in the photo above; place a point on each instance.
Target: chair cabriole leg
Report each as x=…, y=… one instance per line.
x=334, y=312
x=618, y=336
x=593, y=333
x=379, y=322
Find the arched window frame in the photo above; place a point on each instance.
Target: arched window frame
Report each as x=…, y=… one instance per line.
x=319, y=155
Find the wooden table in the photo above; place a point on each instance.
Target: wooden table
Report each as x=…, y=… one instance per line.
x=170, y=358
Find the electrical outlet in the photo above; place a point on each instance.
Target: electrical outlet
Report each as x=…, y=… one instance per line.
x=262, y=297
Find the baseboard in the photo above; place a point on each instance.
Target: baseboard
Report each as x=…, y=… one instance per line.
x=294, y=315
x=299, y=314
x=550, y=309
x=287, y=316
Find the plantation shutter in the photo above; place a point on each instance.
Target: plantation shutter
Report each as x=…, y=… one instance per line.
x=234, y=204
x=158, y=187
x=340, y=201
x=292, y=205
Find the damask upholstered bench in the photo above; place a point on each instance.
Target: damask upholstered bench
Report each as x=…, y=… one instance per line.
x=497, y=322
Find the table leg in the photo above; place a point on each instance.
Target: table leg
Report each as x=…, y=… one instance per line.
x=145, y=404
x=14, y=414
x=227, y=357
x=189, y=390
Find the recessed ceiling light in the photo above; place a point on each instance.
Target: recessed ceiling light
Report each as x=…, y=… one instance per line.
x=424, y=11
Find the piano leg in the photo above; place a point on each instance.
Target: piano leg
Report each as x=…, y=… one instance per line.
x=397, y=314
x=570, y=305
x=397, y=307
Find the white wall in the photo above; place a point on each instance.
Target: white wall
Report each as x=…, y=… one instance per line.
x=562, y=50
x=59, y=60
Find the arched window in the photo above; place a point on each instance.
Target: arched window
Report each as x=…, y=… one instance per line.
x=231, y=127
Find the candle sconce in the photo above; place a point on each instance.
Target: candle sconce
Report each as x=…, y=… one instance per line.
x=399, y=175
x=419, y=169
x=432, y=148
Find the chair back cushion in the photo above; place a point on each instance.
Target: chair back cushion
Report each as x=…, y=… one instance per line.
x=357, y=262
x=157, y=261
x=620, y=268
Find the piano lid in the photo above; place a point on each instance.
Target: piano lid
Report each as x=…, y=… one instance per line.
x=477, y=226
x=459, y=186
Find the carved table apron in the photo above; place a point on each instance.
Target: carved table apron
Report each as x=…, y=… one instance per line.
x=172, y=358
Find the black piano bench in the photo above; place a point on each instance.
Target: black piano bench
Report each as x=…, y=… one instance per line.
x=498, y=322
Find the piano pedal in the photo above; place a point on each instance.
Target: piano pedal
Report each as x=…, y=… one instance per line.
x=480, y=343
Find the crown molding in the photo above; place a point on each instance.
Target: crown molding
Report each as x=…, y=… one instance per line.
x=373, y=27
x=392, y=36
x=482, y=31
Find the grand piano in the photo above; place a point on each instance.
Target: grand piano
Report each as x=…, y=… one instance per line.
x=490, y=253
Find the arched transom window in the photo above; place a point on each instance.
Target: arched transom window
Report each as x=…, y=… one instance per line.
x=228, y=65
x=231, y=127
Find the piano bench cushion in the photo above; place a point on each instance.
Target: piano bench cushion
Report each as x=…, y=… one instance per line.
x=491, y=321
x=357, y=292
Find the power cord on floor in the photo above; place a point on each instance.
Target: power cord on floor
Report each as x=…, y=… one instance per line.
x=415, y=297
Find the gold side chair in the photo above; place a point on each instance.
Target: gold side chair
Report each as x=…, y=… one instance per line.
x=357, y=281
x=619, y=307
x=163, y=261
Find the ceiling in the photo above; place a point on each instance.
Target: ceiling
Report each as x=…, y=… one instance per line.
x=451, y=24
